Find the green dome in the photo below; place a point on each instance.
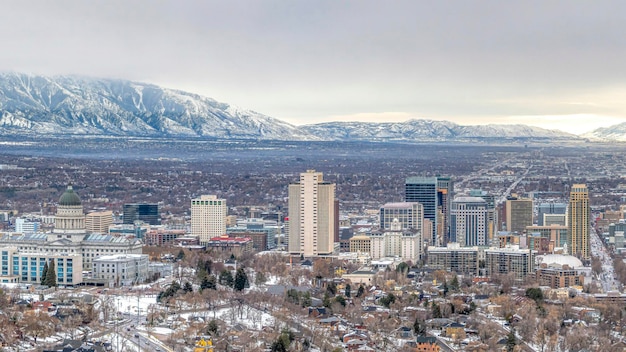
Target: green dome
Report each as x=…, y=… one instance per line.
x=69, y=198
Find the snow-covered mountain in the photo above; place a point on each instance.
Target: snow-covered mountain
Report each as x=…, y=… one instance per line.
x=47, y=106
x=42, y=105
x=428, y=130
x=611, y=133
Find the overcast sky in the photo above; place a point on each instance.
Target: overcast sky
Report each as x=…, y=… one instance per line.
x=554, y=64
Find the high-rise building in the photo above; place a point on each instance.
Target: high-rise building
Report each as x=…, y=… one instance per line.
x=492, y=214
x=410, y=215
x=519, y=214
x=98, y=221
x=435, y=194
x=578, y=221
x=148, y=213
x=454, y=258
x=424, y=190
x=445, y=194
x=311, y=215
x=549, y=208
x=208, y=217
x=469, y=220
x=512, y=259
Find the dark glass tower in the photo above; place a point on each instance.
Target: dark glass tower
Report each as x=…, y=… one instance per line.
x=424, y=190
x=148, y=213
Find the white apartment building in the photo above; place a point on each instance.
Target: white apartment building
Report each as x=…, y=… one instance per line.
x=208, y=217
x=406, y=244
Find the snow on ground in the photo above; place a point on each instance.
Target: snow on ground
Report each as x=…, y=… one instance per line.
x=129, y=303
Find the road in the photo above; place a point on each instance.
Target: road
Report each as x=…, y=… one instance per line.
x=598, y=249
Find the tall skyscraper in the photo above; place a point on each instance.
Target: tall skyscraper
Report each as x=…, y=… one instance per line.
x=208, y=217
x=311, y=215
x=469, y=221
x=578, y=221
x=492, y=214
x=435, y=194
x=549, y=208
x=146, y=212
x=445, y=195
x=519, y=214
x=410, y=215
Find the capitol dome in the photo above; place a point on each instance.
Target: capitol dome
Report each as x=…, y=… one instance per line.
x=560, y=259
x=69, y=198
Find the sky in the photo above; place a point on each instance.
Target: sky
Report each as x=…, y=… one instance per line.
x=552, y=64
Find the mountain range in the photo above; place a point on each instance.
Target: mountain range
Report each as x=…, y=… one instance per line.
x=69, y=105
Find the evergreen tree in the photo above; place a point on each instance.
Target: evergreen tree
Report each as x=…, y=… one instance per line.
x=418, y=327
x=331, y=288
x=226, y=278
x=241, y=280
x=360, y=291
x=44, y=273
x=511, y=341
x=454, y=284
x=212, y=328
x=209, y=282
x=51, y=275
x=188, y=288
x=402, y=268
x=212, y=282
x=436, y=311
x=348, y=290
x=181, y=255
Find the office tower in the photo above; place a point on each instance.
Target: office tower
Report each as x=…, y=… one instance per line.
x=424, y=190
x=578, y=221
x=445, y=194
x=410, y=215
x=492, y=215
x=148, y=213
x=549, y=208
x=554, y=219
x=99, y=221
x=519, y=214
x=469, y=221
x=311, y=215
x=208, y=217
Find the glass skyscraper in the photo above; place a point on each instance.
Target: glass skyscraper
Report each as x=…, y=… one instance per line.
x=148, y=213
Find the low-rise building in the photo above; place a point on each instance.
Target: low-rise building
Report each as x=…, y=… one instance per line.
x=27, y=267
x=121, y=270
x=237, y=245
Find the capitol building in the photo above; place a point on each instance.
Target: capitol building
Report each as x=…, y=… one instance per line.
x=23, y=254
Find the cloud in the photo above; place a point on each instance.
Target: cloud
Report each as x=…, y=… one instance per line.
x=306, y=61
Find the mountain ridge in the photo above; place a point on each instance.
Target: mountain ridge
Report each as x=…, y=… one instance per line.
x=76, y=105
